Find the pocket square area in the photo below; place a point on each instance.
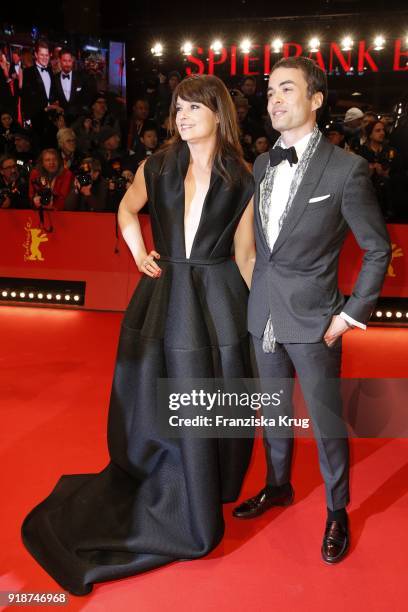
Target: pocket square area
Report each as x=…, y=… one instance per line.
x=319, y=198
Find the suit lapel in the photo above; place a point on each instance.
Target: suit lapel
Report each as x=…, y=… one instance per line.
x=311, y=178
x=258, y=220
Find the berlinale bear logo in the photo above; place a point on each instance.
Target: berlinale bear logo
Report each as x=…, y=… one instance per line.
x=34, y=237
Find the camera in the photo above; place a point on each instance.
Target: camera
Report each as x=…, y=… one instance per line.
x=84, y=176
x=44, y=191
x=117, y=179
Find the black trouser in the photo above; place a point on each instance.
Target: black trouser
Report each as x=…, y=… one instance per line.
x=318, y=369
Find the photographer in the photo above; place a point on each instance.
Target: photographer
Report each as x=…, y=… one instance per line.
x=13, y=187
x=8, y=128
x=50, y=183
x=67, y=145
x=385, y=168
x=119, y=182
x=90, y=188
x=24, y=151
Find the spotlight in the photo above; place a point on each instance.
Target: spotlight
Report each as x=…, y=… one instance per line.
x=40, y=296
x=31, y=295
x=379, y=42
x=347, y=43
x=314, y=45
x=217, y=46
x=58, y=296
x=187, y=48
x=133, y=59
x=277, y=45
x=388, y=314
x=76, y=298
x=398, y=315
x=13, y=294
x=4, y=293
x=379, y=313
x=49, y=296
x=245, y=45
x=22, y=294
x=157, y=50
x=67, y=297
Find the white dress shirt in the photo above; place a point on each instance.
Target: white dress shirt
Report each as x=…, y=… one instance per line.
x=46, y=79
x=66, y=85
x=280, y=194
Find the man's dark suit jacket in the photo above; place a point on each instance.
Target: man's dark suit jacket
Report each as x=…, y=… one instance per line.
x=33, y=95
x=83, y=91
x=297, y=281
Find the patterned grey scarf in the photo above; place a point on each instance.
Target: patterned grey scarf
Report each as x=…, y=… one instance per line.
x=269, y=340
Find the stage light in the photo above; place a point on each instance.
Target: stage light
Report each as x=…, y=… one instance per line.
x=187, y=48
x=49, y=296
x=22, y=294
x=40, y=296
x=379, y=42
x=379, y=313
x=133, y=59
x=245, y=45
x=31, y=295
x=217, y=46
x=314, y=45
x=398, y=315
x=277, y=45
x=388, y=314
x=76, y=298
x=4, y=293
x=157, y=50
x=347, y=43
x=58, y=297
x=13, y=294
x=67, y=297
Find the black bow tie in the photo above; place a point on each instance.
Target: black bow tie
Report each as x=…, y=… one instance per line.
x=43, y=69
x=65, y=76
x=278, y=154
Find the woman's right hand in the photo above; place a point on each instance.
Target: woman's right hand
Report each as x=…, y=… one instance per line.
x=148, y=266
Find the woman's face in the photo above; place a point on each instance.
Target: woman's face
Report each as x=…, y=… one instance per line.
x=6, y=120
x=50, y=163
x=195, y=122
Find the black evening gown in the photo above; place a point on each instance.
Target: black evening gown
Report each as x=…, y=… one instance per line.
x=159, y=499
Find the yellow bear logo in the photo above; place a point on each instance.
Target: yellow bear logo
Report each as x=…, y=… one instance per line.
x=34, y=237
x=396, y=252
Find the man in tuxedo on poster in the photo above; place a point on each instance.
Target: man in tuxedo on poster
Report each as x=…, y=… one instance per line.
x=309, y=193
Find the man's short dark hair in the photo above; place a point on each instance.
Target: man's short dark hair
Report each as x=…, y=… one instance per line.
x=43, y=44
x=149, y=126
x=65, y=51
x=315, y=77
x=248, y=78
x=5, y=158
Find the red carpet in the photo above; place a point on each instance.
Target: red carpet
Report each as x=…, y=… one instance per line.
x=56, y=369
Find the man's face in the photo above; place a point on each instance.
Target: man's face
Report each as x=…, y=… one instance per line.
x=112, y=143
x=99, y=107
x=69, y=145
x=22, y=144
x=289, y=106
x=242, y=112
x=261, y=144
x=248, y=87
x=42, y=56
x=173, y=82
x=367, y=119
x=378, y=133
x=149, y=139
x=16, y=58
x=67, y=62
x=6, y=120
x=141, y=110
x=9, y=171
x=335, y=137
x=50, y=163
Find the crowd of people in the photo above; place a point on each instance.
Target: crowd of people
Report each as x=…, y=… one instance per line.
x=64, y=145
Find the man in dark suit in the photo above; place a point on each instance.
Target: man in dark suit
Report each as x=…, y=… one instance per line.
x=38, y=90
x=308, y=194
x=75, y=89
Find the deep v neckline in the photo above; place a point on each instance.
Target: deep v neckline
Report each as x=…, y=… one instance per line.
x=185, y=163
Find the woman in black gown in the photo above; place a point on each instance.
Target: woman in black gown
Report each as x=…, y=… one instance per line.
x=160, y=500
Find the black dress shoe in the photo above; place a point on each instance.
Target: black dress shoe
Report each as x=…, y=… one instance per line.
x=266, y=498
x=335, y=542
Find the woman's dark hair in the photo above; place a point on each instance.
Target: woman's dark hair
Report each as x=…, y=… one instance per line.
x=211, y=91
x=370, y=127
x=315, y=77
